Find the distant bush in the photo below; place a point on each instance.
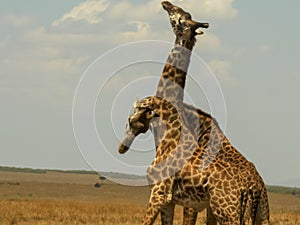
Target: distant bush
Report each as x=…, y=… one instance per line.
x=97, y=185
x=74, y=171
x=30, y=170
x=24, y=170
x=121, y=175
x=284, y=190
x=10, y=183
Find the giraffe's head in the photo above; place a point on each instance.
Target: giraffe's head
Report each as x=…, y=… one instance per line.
x=140, y=120
x=183, y=26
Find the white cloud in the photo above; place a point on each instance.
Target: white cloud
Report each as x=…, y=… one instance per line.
x=47, y=54
x=152, y=21
x=264, y=48
x=219, y=9
x=42, y=36
x=16, y=20
x=222, y=69
x=208, y=41
x=62, y=51
x=64, y=65
x=142, y=32
x=295, y=76
x=88, y=11
x=128, y=10
x=146, y=16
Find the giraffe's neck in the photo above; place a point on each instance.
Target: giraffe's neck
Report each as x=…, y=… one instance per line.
x=176, y=134
x=199, y=124
x=172, y=81
x=197, y=121
x=168, y=130
x=189, y=44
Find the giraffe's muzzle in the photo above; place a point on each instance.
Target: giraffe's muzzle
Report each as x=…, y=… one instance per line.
x=126, y=143
x=203, y=25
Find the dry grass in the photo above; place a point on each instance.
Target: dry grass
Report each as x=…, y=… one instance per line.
x=285, y=209
x=57, y=198
x=72, y=212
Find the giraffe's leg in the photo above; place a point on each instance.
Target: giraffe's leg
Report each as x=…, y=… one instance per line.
x=189, y=216
x=160, y=198
x=233, y=219
x=228, y=219
x=155, y=205
x=210, y=217
x=228, y=214
x=167, y=214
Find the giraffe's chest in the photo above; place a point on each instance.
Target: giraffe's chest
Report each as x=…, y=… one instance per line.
x=191, y=197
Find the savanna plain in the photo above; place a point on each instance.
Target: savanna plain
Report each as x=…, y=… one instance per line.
x=57, y=198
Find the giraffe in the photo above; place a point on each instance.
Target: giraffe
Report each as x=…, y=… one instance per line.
x=171, y=87
x=182, y=172
x=172, y=81
x=185, y=173
x=175, y=71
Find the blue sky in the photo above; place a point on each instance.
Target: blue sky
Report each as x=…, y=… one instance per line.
x=251, y=46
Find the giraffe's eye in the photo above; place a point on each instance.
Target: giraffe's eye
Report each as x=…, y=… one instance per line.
x=180, y=21
x=150, y=113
